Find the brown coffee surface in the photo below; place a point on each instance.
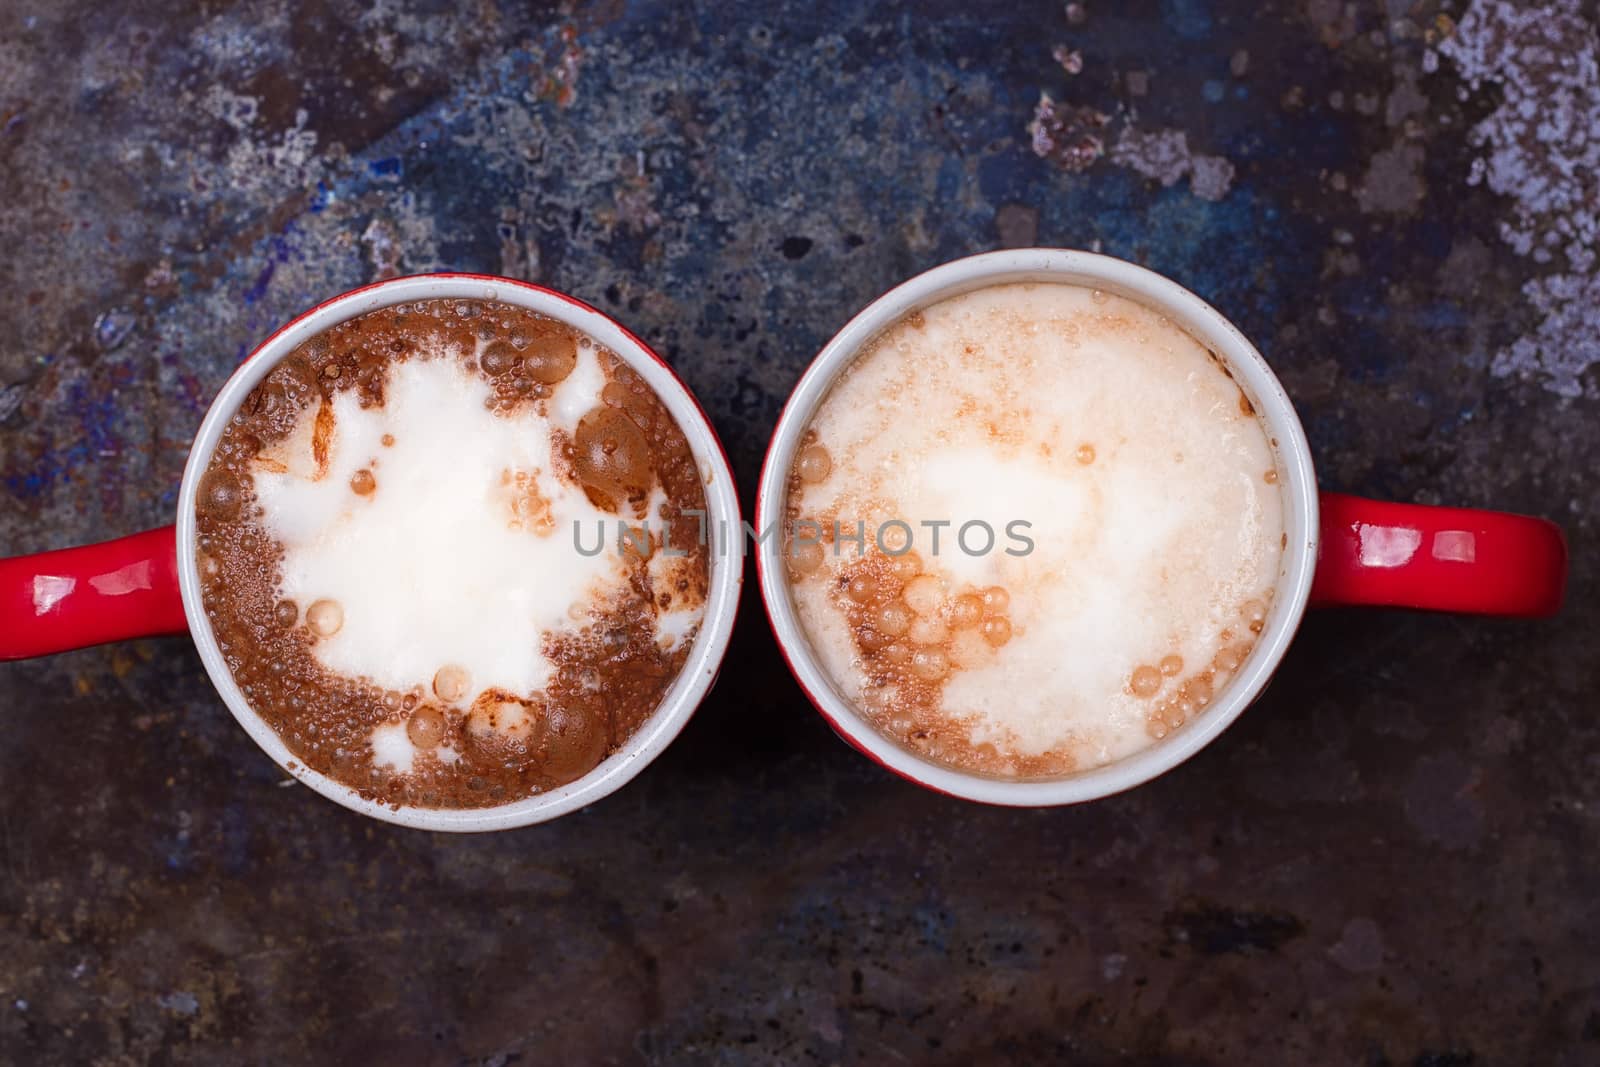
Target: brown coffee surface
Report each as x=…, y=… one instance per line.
x=473, y=749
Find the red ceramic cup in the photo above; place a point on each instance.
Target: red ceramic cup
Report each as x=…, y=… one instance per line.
x=1340, y=549
x=148, y=584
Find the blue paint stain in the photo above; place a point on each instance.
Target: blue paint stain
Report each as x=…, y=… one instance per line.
x=259, y=288
x=236, y=831
x=935, y=926
x=1004, y=175
x=101, y=418
x=278, y=251
x=320, y=199
x=1189, y=19
x=27, y=485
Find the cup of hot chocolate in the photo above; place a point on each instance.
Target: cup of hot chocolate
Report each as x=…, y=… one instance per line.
x=1040, y=524
x=440, y=545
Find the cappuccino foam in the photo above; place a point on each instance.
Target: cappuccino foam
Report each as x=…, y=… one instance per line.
x=390, y=558
x=433, y=565
x=1136, y=523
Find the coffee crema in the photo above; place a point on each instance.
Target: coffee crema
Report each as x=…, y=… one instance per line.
x=1135, y=529
x=387, y=553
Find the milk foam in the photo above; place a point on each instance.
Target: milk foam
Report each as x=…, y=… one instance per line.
x=392, y=748
x=429, y=567
x=977, y=410
x=675, y=621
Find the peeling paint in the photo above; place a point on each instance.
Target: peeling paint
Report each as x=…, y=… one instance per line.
x=1541, y=150
x=1164, y=156
x=1067, y=134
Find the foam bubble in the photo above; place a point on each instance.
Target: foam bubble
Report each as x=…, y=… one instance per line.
x=996, y=631
x=451, y=682
x=806, y=557
x=930, y=664
x=325, y=617
x=427, y=726
x=814, y=464
x=550, y=359
x=1145, y=682
x=929, y=630
x=966, y=611
x=924, y=593
x=894, y=618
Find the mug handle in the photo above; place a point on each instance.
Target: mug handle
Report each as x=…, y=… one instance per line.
x=1376, y=552
x=77, y=597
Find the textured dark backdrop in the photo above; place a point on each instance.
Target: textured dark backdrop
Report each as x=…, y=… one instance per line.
x=1391, y=859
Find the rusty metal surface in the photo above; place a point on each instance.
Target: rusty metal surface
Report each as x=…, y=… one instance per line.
x=1391, y=859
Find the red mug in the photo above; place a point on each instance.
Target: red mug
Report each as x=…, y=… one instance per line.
x=147, y=584
x=1339, y=550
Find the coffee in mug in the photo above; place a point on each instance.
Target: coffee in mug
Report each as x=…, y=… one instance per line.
x=403, y=552
x=1032, y=529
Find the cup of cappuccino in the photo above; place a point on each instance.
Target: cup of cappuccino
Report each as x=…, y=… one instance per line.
x=1038, y=525
x=440, y=545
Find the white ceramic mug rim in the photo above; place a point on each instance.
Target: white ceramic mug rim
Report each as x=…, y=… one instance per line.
x=1250, y=370
x=722, y=505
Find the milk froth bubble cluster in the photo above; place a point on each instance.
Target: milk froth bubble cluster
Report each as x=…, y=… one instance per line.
x=389, y=558
x=1137, y=519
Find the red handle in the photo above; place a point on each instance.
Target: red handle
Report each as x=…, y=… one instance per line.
x=1441, y=559
x=78, y=597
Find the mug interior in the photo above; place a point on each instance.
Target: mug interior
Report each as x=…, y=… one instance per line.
x=722, y=505
x=1273, y=409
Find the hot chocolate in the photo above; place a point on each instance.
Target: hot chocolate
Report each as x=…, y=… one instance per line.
x=1032, y=529
x=389, y=553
